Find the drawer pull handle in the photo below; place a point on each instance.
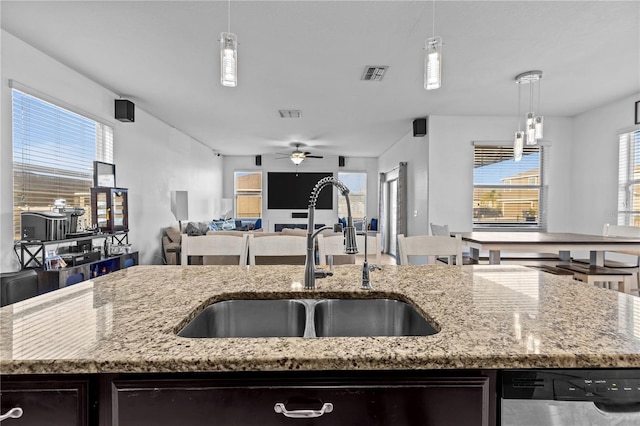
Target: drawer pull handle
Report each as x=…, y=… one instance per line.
x=14, y=413
x=327, y=407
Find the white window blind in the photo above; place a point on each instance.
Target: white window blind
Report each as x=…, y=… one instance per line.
x=53, y=154
x=508, y=193
x=629, y=179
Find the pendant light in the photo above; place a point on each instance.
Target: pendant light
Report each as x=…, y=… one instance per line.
x=433, y=58
x=533, y=130
x=228, y=55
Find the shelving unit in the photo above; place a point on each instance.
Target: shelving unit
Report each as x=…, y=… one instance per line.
x=32, y=255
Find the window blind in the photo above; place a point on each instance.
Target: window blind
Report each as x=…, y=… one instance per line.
x=507, y=192
x=629, y=179
x=53, y=154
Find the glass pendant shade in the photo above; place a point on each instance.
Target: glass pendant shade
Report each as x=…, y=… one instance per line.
x=539, y=124
x=518, y=145
x=296, y=159
x=529, y=119
x=530, y=136
x=433, y=63
x=228, y=60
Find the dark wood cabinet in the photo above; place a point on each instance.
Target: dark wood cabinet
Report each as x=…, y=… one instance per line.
x=433, y=398
x=46, y=401
x=110, y=209
x=434, y=401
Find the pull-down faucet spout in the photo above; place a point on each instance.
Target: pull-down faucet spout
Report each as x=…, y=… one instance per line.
x=310, y=270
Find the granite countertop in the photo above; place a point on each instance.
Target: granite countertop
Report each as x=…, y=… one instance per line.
x=489, y=317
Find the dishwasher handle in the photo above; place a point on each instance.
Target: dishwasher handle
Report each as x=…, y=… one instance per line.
x=618, y=408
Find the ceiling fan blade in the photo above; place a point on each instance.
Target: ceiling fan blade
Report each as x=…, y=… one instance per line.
x=313, y=156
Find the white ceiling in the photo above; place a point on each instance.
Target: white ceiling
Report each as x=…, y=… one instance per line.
x=310, y=55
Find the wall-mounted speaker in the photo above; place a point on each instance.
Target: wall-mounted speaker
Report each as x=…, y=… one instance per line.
x=258, y=160
x=341, y=161
x=124, y=110
x=419, y=127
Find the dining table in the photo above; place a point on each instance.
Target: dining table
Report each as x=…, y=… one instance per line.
x=544, y=242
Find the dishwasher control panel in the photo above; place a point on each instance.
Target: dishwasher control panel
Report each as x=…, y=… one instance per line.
x=598, y=385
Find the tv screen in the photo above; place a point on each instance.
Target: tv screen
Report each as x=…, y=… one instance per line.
x=291, y=190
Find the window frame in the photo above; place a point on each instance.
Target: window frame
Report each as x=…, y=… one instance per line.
x=541, y=223
x=30, y=111
x=628, y=143
x=236, y=194
x=364, y=202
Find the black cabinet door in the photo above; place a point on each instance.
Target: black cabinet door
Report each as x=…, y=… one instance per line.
x=433, y=401
x=45, y=403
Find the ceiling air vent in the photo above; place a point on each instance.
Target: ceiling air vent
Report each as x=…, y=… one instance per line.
x=290, y=113
x=374, y=73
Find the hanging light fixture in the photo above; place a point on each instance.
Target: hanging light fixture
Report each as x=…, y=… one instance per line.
x=533, y=130
x=228, y=55
x=433, y=58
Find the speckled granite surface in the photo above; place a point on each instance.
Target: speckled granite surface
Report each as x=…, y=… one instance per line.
x=489, y=316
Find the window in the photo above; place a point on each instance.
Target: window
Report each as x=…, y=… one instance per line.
x=53, y=154
x=357, y=184
x=248, y=194
x=508, y=193
x=629, y=179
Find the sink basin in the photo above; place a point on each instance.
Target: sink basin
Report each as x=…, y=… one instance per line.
x=368, y=317
x=249, y=318
x=308, y=318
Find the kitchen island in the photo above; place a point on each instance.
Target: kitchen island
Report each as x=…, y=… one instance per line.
x=488, y=318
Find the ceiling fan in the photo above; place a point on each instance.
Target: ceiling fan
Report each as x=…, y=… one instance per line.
x=298, y=156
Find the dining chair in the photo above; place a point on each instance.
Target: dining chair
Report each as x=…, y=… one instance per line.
x=277, y=249
x=443, y=231
x=430, y=246
x=215, y=247
x=333, y=245
x=374, y=246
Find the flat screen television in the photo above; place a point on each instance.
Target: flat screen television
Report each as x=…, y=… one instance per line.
x=291, y=190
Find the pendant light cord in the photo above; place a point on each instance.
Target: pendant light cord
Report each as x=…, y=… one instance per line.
x=539, y=83
x=433, y=10
x=229, y=16
x=518, y=116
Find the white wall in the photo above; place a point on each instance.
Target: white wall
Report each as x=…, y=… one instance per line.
x=440, y=169
x=594, y=162
x=272, y=163
x=151, y=158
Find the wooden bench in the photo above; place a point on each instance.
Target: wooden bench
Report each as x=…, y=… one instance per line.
x=551, y=269
x=597, y=274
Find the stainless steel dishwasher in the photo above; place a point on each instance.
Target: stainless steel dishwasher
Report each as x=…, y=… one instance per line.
x=579, y=397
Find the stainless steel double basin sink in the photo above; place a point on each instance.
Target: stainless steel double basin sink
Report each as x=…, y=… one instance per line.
x=308, y=318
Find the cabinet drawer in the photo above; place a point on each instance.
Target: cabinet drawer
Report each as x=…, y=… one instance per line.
x=434, y=401
x=45, y=403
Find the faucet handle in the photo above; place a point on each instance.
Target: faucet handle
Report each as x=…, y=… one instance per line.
x=330, y=262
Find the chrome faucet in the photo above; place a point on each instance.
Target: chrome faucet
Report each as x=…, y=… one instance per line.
x=350, y=245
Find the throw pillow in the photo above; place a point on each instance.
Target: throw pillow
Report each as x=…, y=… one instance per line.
x=174, y=234
x=193, y=229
